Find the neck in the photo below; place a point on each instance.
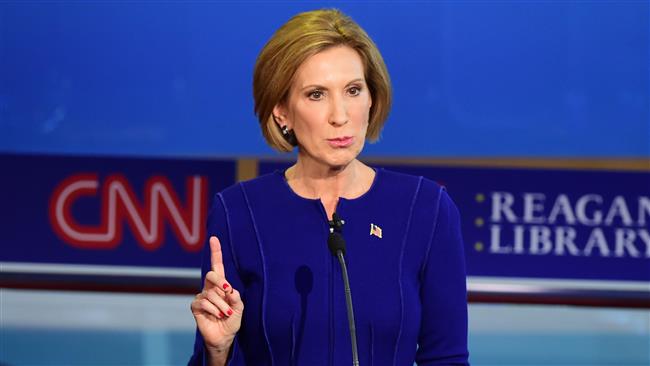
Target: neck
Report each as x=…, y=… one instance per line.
x=310, y=179
x=328, y=183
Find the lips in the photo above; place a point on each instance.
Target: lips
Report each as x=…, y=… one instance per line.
x=344, y=141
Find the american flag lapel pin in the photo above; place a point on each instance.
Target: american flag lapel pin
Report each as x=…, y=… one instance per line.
x=375, y=230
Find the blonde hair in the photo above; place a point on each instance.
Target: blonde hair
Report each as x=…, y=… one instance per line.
x=305, y=35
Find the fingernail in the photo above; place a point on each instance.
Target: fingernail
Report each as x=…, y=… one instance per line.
x=229, y=311
x=225, y=286
x=221, y=314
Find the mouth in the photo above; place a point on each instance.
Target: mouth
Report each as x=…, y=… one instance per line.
x=344, y=141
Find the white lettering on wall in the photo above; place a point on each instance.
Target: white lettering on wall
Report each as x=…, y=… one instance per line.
x=502, y=205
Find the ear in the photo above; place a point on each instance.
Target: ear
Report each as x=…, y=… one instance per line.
x=280, y=116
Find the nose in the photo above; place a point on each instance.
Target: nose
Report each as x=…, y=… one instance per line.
x=338, y=112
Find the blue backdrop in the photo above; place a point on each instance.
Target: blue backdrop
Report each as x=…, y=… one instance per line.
x=471, y=78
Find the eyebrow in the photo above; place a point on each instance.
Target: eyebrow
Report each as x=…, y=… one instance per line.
x=322, y=87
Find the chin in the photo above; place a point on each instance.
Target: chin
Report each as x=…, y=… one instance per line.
x=341, y=159
x=338, y=163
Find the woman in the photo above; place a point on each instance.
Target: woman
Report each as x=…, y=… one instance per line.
x=321, y=85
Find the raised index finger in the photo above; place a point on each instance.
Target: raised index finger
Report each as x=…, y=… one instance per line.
x=216, y=257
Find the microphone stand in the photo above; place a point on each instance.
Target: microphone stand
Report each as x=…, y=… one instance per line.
x=348, y=303
x=336, y=244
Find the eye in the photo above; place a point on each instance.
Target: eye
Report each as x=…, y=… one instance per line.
x=315, y=95
x=354, y=90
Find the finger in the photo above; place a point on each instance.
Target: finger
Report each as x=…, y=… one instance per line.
x=235, y=301
x=202, y=305
x=219, y=302
x=213, y=280
x=216, y=256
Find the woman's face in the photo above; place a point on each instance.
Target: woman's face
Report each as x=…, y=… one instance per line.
x=328, y=107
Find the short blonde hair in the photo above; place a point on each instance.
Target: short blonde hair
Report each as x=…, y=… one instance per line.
x=305, y=35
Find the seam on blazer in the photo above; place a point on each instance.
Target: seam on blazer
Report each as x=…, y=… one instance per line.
x=399, y=270
x=264, y=272
x=433, y=232
x=230, y=237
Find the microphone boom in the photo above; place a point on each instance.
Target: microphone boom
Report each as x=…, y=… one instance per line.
x=336, y=244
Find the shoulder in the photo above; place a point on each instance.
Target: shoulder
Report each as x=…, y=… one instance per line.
x=232, y=201
x=236, y=193
x=428, y=199
x=232, y=205
x=424, y=188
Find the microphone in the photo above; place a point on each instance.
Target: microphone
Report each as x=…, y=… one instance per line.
x=336, y=224
x=336, y=244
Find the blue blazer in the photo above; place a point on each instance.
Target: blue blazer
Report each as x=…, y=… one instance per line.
x=405, y=262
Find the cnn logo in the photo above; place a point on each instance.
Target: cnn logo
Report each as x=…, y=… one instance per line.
x=119, y=205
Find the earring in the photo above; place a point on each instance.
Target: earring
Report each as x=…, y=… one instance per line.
x=289, y=135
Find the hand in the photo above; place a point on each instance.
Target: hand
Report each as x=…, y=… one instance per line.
x=218, y=308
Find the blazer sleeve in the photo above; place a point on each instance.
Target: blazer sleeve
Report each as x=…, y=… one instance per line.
x=443, y=331
x=219, y=225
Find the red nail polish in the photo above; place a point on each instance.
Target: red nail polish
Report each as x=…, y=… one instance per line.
x=221, y=314
x=225, y=286
x=229, y=311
